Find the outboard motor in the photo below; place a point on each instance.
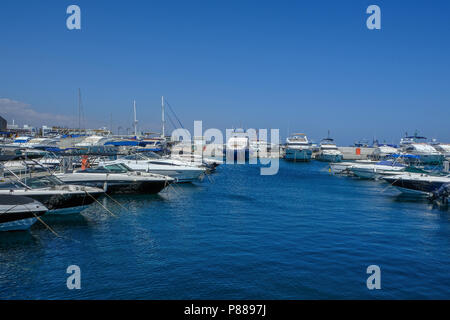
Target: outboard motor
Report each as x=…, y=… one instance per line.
x=442, y=193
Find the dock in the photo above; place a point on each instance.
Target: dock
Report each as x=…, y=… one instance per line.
x=356, y=153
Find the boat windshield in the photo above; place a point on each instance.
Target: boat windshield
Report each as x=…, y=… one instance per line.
x=43, y=182
x=152, y=155
x=136, y=156
x=110, y=168
x=36, y=182
x=117, y=168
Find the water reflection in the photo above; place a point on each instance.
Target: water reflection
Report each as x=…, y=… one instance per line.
x=19, y=239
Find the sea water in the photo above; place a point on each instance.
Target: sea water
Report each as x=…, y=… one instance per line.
x=300, y=234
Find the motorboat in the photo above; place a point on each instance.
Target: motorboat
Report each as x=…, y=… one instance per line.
x=298, y=148
x=377, y=170
x=343, y=168
x=19, y=213
x=94, y=140
x=328, y=151
x=178, y=170
x=210, y=163
x=173, y=159
x=58, y=197
x=383, y=152
x=40, y=143
x=117, y=178
x=238, y=146
x=443, y=148
x=418, y=183
x=19, y=141
x=425, y=153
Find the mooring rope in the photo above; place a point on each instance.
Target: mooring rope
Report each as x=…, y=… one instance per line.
x=117, y=202
x=100, y=203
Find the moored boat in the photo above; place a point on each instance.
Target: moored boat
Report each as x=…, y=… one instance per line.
x=298, y=148
x=58, y=197
x=117, y=178
x=19, y=213
x=180, y=171
x=328, y=151
x=418, y=183
x=377, y=170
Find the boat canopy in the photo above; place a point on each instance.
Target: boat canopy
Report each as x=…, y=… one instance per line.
x=390, y=163
x=411, y=156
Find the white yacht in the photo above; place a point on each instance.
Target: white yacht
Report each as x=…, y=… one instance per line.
x=328, y=151
x=298, y=148
x=377, y=170
x=424, y=153
x=178, y=170
x=344, y=167
x=91, y=141
x=382, y=152
x=238, y=146
x=443, y=148
x=421, y=151
x=40, y=143
x=197, y=160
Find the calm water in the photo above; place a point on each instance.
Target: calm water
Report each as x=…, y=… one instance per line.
x=301, y=234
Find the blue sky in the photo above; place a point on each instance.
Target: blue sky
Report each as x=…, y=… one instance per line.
x=300, y=66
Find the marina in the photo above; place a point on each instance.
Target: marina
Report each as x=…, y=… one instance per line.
x=223, y=155
x=161, y=211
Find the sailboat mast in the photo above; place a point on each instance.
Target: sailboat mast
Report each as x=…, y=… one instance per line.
x=135, y=121
x=163, y=133
x=79, y=110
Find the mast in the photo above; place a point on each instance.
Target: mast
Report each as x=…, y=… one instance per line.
x=163, y=134
x=79, y=110
x=135, y=121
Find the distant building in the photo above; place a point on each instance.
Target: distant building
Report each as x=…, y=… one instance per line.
x=3, y=124
x=12, y=126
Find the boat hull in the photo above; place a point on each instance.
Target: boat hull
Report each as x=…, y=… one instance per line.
x=415, y=186
x=58, y=201
x=324, y=157
x=370, y=173
x=298, y=155
x=19, y=213
x=17, y=225
x=427, y=159
x=238, y=155
x=124, y=186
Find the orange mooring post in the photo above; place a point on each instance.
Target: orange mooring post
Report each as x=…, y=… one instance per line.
x=84, y=163
x=358, y=151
